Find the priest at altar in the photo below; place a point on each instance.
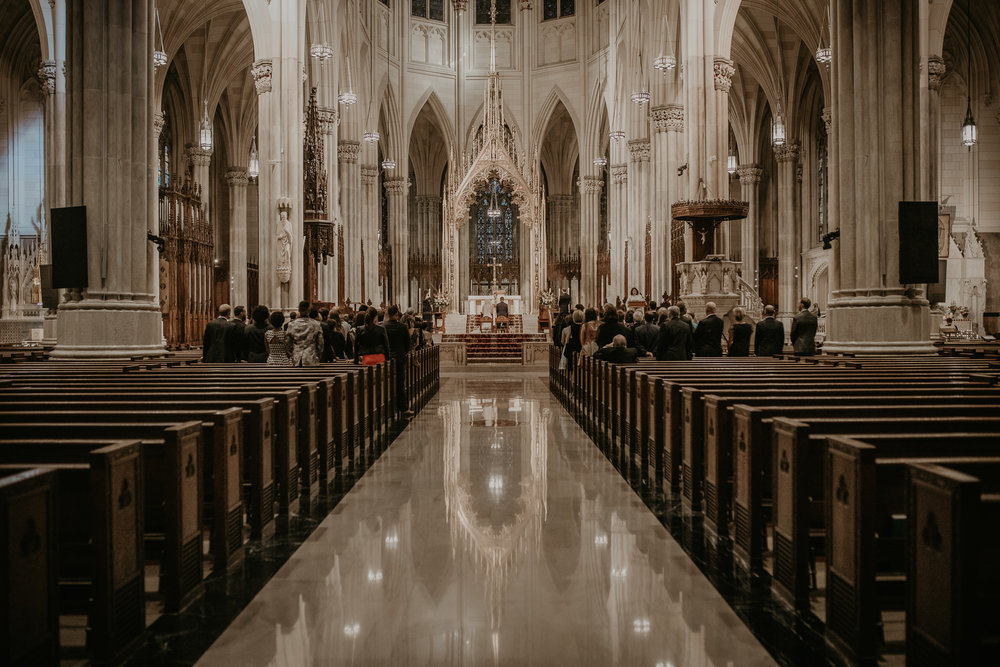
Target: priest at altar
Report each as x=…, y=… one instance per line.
x=485, y=304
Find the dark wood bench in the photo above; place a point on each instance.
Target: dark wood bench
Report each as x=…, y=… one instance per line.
x=93, y=518
x=952, y=549
x=865, y=491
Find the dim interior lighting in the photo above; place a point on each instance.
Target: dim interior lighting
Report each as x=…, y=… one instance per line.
x=640, y=97
x=321, y=52
x=159, y=55
x=371, y=135
x=205, y=131
x=494, y=212
x=253, y=164
x=824, y=55
x=640, y=625
x=731, y=164
x=388, y=165
x=348, y=97
x=665, y=63
x=970, y=134
x=352, y=629
x=616, y=134
x=778, y=130
x=600, y=161
x=600, y=540
x=374, y=576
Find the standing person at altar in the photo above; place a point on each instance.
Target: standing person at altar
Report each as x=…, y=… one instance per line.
x=426, y=309
x=502, y=311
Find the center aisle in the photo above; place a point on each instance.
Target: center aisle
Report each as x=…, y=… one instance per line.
x=492, y=532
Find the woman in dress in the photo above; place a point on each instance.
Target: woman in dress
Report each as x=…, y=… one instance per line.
x=739, y=335
x=254, y=336
x=588, y=333
x=573, y=343
x=370, y=339
x=279, y=344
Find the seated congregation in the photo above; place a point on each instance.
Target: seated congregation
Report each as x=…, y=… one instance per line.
x=129, y=487
x=859, y=495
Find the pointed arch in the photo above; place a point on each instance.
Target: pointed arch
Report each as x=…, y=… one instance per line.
x=430, y=99
x=545, y=114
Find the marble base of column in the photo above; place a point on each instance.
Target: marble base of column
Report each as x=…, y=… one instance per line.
x=107, y=329
x=884, y=321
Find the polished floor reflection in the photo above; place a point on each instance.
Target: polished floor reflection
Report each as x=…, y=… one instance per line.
x=492, y=532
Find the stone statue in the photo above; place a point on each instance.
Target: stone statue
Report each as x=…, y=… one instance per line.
x=284, y=266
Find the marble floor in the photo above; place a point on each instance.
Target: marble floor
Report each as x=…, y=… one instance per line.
x=492, y=532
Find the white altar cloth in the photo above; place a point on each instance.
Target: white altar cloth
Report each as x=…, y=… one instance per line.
x=477, y=305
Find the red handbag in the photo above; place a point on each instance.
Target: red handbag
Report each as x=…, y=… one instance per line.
x=372, y=359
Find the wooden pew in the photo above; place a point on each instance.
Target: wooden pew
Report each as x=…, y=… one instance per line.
x=29, y=608
x=952, y=550
x=865, y=486
x=96, y=507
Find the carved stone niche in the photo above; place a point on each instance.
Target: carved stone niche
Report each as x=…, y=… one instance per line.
x=714, y=279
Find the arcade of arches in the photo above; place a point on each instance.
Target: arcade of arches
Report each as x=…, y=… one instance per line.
x=621, y=108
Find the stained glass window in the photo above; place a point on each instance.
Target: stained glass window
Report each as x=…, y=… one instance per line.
x=554, y=9
x=494, y=241
x=483, y=11
x=428, y=9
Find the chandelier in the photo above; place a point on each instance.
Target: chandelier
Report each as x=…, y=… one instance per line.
x=253, y=164
x=388, y=165
x=371, y=135
x=731, y=164
x=494, y=212
x=824, y=55
x=348, y=97
x=205, y=131
x=664, y=63
x=160, y=54
x=640, y=96
x=600, y=161
x=616, y=134
x=321, y=52
x=778, y=130
x=970, y=134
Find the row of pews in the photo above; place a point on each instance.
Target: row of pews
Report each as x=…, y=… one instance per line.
x=115, y=475
x=856, y=489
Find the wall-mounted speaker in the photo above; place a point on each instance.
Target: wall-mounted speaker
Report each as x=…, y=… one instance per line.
x=69, y=247
x=918, y=242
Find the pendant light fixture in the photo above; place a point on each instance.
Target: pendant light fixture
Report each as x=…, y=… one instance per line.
x=373, y=136
x=778, y=129
x=600, y=161
x=640, y=95
x=321, y=52
x=616, y=134
x=824, y=54
x=348, y=97
x=160, y=54
x=493, y=212
x=388, y=165
x=205, y=130
x=665, y=61
x=970, y=134
x=253, y=164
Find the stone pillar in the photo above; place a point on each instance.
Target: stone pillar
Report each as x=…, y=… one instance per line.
x=789, y=251
x=237, y=179
x=875, y=166
x=722, y=70
x=590, y=214
x=201, y=159
x=931, y=181
x=116, y=314
x=749, y=248
x=618, y=214
x=639, y=190
x=350, y=189
x=370, y=225
x=329, y=120
x=398, y=190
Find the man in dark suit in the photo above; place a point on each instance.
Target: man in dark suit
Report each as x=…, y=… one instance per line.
x=616, y=352
x=234, y=346
x=708, y=334
x=399, y=347
x=769, y=335
x=675, y=340
x=803, y=333
x=503, y=310
x=564, y=301
x=611, y=327
x=214, y=344
x=647, y=334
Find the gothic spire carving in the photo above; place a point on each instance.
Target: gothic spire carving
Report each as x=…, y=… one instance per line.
x=315, y=165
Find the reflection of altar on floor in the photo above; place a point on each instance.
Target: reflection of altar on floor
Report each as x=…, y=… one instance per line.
x=483, y=303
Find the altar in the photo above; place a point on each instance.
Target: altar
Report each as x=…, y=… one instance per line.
x=483, y=303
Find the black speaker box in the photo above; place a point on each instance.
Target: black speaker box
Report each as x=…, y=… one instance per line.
x=69, y=247
x=918, y=242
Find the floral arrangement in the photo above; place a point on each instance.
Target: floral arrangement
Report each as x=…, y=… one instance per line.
x=546, y=299
x=440, y=301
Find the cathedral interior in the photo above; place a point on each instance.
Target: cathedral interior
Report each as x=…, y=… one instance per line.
x=161, y=158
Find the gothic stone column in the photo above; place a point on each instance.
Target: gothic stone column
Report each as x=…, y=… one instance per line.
x=618, y=212
x=788, y=231
x=749, y=249
x=237, y=179
x=639, y=150
x=370, y=224
x=876, y=166
x=112, y=116
x=350, y=215
x=590, y=188
x=398, y=189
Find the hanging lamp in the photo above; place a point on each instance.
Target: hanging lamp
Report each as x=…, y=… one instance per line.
x=159, y=55
x=665, y=62
x=253, y=164
x=778, y=130
x=970, y=134
x=493, y=212
x=348, y=97
x=205, y=131
x=824, y=54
